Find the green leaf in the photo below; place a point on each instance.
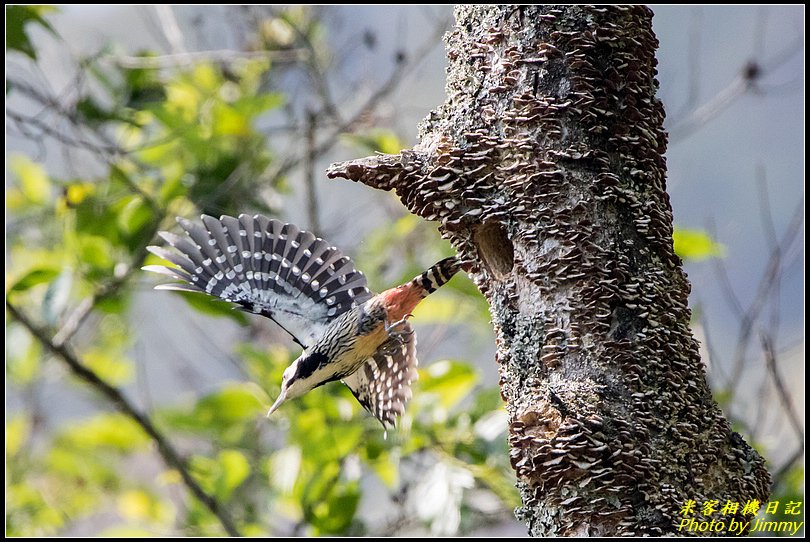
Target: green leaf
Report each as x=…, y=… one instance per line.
x=173, y=187
x=266, y=365
x=142, y=87
x=487, y=401
x=696, y=245
x=117, y=303
x=232, y=405
x=32, y=178
x=33, y=277
x=448, y=382
x=108, y=430
x=29, y=512
x=386, y=468
x=96, y=251
x=17, y=431
x=223, y=474
x=93, y=112
x=141, y=505
x=384, y=141
x=234, y=469
x=347, y=439
x=440, y=309
x=336, y=513
x=228, y=121
x=17, y=17
x=135, y=215
x=251, y=106
x=15, y=199
x=110, y=365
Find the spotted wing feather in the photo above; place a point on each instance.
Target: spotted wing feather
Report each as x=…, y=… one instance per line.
x=267, y=267
x=383, y=383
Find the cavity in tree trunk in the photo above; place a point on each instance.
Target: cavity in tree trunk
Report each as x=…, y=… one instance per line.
x=545, y=170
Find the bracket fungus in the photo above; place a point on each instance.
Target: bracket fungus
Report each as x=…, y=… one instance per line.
x=545, y=169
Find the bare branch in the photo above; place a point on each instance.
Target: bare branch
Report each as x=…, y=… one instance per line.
x=781, y=388
x=370, y=104
x=770, y=234
x=765, y=206
x=767, y=285
x=704, y=113
x=746, y=80
x=25, y=123
x=166, y=450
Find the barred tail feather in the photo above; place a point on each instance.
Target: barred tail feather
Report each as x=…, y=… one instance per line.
x=438, y=275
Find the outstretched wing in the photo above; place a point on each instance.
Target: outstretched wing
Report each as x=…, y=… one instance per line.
x=267, y=267
x=383, y=383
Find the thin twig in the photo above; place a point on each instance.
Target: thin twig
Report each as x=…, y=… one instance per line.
x=746, y=80
x=700, y=115
x=74, y=321
x=311, y=193
x=773, y=240
x=25, y=122
x=220, y=56
x=781, y=388
x=370, y=104
x=51, y=104
x=119, y=401
x=766, y=285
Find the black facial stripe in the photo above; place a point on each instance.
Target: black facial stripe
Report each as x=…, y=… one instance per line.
x=309, y=365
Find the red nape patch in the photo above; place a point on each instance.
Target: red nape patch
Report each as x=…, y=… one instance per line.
x=400, y=301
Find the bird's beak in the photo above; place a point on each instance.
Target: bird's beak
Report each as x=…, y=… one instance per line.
x=278, y=402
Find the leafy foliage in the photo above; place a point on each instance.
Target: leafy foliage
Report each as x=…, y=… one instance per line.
x=692, y=244
x=181, y=142
x=17, y=18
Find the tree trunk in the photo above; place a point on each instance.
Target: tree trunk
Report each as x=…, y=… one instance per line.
x=545, y=168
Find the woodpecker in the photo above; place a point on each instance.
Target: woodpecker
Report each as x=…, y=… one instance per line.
x=315, y=294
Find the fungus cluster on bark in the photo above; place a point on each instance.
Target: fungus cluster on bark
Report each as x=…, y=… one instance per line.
x=545, y=169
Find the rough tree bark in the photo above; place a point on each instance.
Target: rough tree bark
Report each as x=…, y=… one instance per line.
x=545, y=169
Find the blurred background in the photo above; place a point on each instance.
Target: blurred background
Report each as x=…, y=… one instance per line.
x=120, y=118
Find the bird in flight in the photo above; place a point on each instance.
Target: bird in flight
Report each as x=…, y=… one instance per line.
x=314, y=292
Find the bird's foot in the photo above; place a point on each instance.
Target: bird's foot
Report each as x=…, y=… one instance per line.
x=395, y=333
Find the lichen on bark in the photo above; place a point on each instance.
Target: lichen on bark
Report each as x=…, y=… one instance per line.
x=545, y=169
